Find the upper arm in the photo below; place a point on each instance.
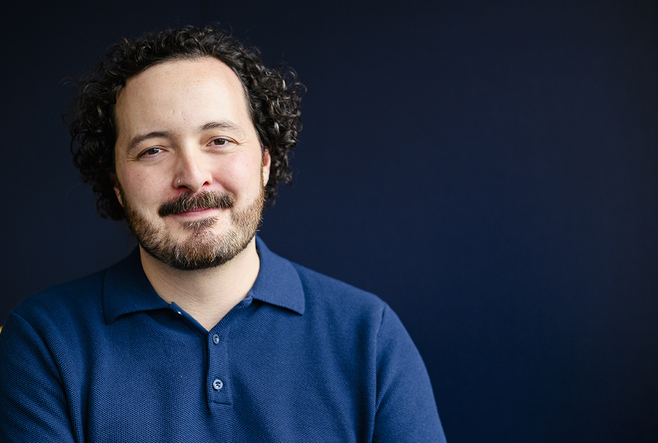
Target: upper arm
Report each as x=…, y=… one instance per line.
x=34, y=406
x=406, y=410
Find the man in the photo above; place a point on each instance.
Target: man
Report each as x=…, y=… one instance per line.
x=202, y=334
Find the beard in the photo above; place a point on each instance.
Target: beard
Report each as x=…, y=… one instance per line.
x=202, y=248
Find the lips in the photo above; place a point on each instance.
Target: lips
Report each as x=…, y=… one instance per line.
x=194, y=203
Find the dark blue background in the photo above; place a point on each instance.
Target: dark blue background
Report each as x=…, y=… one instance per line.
x=490, y=169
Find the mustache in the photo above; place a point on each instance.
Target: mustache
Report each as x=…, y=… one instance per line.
x=187, y=202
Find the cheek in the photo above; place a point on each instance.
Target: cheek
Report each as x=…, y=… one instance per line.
x=140, y=189
x=239, y=174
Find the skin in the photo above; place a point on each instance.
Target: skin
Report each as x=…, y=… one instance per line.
x=183, y=127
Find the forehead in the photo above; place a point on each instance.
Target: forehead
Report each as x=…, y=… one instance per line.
x=181, y=91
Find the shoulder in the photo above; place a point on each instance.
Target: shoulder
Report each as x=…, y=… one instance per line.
x=51, y=327
x=339, y=306
x=82, y=302
x=327, y=289
x=320, y=299
x=62, y=301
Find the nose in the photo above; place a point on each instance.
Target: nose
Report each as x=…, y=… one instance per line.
x=192, y=172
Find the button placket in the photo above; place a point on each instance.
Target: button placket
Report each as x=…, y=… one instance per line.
x=217, y=376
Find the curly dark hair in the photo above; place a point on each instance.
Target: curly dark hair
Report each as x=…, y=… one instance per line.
x=274, y=96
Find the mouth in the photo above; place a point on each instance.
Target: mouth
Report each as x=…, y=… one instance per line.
x=198, y=224
x=195, y=212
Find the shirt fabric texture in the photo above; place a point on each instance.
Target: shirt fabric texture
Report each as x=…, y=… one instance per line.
x=303, y=358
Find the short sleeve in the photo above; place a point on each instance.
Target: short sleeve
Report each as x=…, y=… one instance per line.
x=406, y=409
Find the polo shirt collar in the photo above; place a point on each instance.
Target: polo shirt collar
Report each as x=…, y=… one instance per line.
x=127, y=290
x=278, y=282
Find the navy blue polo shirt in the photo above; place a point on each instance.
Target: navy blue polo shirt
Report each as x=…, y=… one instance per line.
x=303, y=358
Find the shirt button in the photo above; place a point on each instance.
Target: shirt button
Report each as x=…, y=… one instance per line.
x=215, y=339
x=217, y=384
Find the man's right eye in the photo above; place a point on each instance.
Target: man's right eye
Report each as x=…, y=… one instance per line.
x=150, y=152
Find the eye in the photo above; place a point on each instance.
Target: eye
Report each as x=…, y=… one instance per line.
x=150, y=152
x=219, y=142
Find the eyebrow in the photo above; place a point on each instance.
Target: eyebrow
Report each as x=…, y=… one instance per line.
x=223, y=125
x=136, y=140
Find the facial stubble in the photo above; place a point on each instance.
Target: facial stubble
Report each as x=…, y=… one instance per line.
x=202, y=248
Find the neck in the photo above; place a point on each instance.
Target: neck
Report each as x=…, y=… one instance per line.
x=206, y=294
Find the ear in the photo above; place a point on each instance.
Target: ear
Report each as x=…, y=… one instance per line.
x=115, y=182
x=266, y=164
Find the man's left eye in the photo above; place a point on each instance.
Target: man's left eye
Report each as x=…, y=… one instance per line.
x=219, y=142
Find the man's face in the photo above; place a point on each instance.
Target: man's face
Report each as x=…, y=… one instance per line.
x=190, y=169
